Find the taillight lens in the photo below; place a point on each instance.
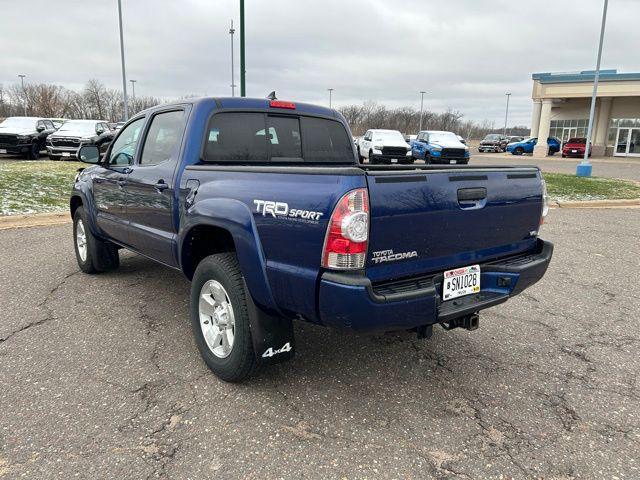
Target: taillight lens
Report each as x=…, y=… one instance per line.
x=545, y=202
x=345, y=245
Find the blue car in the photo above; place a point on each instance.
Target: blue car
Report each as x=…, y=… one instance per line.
x=526, y=146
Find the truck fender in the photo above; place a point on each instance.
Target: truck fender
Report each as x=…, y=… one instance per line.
x=80, y=190
x=271, y=332
x=235, y=217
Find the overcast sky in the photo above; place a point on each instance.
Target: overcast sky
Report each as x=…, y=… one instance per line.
x=465, y=53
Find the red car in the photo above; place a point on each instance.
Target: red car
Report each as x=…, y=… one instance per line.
x=575, y=147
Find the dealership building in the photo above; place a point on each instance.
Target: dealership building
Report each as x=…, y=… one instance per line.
x=561, y=103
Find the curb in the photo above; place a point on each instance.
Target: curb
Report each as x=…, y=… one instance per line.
x=634, y=202
x=34, y=220
x=60, y=218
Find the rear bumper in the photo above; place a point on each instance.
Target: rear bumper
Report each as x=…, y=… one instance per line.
x=353, y=302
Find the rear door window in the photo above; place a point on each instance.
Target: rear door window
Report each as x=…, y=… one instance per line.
x=164, y=137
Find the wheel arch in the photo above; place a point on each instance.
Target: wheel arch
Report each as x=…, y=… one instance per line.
x=223, y=225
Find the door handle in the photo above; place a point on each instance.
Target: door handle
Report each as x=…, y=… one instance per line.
x=160, y=186
x=472, y=194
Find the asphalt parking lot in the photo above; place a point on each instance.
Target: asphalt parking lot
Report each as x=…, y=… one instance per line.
x=613, y=167
x=101, y=379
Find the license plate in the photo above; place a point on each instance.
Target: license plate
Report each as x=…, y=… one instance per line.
x=452, y=162
x=2, y=150
x=574, y=151
x=460, y=282
x=394, y=160
x=66, y=154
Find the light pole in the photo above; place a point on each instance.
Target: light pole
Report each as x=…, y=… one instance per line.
x=233, y=82
x=133, y=90
x=330, y=92
x=124, y=75
x=506, y=115
x=584, y=167
x=243, y=90
x=421, y=108
x=24, y=92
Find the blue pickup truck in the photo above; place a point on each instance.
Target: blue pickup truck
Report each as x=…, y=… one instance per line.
x=435, y=146
x=264, y=206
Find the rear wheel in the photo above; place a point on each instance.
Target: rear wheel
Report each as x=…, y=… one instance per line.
x=220, y=318
x=93, y=255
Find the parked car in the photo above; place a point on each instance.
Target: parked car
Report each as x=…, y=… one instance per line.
x=575, y=147
x=409, y=138
x=66, y=141
x=526, y=146
x=492, y=142
x=117, y=126
x=288, y=225
x=384, y=147
x=510, y=139
x=435, y=146
x=25, y=135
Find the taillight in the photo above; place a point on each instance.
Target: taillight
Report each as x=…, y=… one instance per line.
x=282, y=104
x=345, y=245
x=545, y=202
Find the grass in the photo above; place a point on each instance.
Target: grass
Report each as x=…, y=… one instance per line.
x=562, y=186
x=37, y=186
x=44, y=186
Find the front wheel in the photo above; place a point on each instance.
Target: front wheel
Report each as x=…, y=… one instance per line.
x=220, y=318
x=34, y=151
x=518, y=151
x=93, y=255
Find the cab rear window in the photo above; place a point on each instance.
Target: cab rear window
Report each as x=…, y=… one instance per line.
x=248, y=137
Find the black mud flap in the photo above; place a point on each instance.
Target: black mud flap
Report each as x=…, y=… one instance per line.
x=273, y=340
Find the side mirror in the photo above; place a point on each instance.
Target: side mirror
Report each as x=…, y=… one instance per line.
x=40, y=128
x=99, y=130
x=89, y=154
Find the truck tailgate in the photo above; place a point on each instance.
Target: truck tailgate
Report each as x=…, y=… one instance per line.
x=425, y=221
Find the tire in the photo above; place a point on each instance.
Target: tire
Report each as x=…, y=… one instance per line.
x=427, y=159
x=93, y=255
x=34, y=151
x=518, y=151
x=54, y=157
x=564, y=156
x=360, y=157
x=236, y=361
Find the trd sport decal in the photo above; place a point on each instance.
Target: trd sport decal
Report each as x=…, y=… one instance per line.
x=281, y=209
